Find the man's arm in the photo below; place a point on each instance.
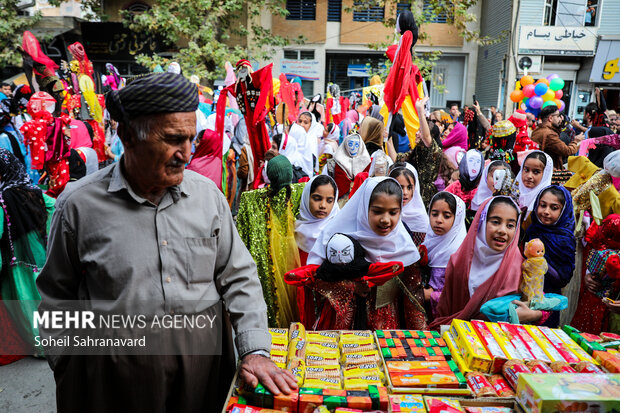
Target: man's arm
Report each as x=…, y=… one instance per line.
x=237, y=282
x=555, y=145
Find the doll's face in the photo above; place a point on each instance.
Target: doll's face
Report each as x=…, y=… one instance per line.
x=353, y=145
x=534, y=248
x=340, y=250
x=384, y=213
x=549, y=209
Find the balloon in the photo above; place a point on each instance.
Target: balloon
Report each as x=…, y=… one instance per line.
x=551, y=77
x=536, y=102
x=559, y=94
x=543, y=81
x=562, y=105
x=556, y=84
x=550, y=95
x=518, y=85
x=548, y=103
x=526, y=80
x=540, y=89
x=558, y=103
x=528, y=90
x=516, y=95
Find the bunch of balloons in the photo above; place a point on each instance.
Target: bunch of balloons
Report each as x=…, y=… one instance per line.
x=533, y=95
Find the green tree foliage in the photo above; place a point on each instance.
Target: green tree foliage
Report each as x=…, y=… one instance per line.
x=12, y=25
x=210, y=32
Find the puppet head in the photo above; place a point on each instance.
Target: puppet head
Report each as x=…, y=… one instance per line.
x=534, y=248
x=243, y=68
x=41, y=101
x=340, y=249
x=406, y=22
x=334, y=90
x=353, y=143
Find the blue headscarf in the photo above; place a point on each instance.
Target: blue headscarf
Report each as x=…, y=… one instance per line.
x=559, y=240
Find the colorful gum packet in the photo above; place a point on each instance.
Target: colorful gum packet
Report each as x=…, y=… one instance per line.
x=472, y=349
x=529, y=342
x=538, y=366
x=574, y=347
x=544, y=343
x=480, y=385
x=504, y=342
x=511, y=371
x=559, y=345
x=407, y=403
x=562, y=367
x=433, y=403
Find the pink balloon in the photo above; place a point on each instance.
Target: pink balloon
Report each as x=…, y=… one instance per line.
x=562, y=104
x=553, y=76
x=528, y=90
x=559, y=94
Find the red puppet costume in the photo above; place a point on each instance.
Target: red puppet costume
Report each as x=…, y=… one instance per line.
x=404, y=84
x=336, y=106
x=253, y=92
x=523, y=141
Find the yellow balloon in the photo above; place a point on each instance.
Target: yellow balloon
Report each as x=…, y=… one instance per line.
x=518, y=85
x=549, y=95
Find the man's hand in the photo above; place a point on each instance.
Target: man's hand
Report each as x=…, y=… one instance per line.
x=526, y=314
x=591, y=284
x=256, y=368
x=476, y=106
x=579, y=138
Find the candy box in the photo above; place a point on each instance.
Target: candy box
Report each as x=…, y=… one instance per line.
x=504, y=342
x=573, y=346
x=585, y=340
x=470, y=346
x=456, y=355
x=529, y=342
x=542, y=341
x=407, y=403
x=559, y=345
x=241, y=408
x=609, y=361
x=442, y=404
x=491, y=345
x=541, y=393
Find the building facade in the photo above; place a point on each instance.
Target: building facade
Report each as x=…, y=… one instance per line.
x=577, y=39
x=336, y=48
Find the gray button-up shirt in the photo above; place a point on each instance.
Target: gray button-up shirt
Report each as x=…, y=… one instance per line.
x=108, y=243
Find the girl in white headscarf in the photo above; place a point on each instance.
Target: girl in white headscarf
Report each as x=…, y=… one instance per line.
x=372, y=217
x=317, y=209
x=445, y=234
x=414, y=214
x=534, y=176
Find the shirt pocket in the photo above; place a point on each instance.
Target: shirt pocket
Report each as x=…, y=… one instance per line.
x=201, y=255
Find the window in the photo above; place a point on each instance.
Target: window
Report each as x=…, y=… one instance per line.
x=299, y=54
x=431, y=15
x=549, y=12
x=401, y=7
x=301, y=9
x=334, y=10
x=363, y=11
x=591, y=13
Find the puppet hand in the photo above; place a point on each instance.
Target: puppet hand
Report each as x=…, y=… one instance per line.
x=591, y=284
x=256, y=368
x=526, y=314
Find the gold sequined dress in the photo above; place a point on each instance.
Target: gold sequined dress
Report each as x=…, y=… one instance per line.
x=267, y=227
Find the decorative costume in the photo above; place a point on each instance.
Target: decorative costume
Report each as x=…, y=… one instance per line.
x=336, y=105
x=502, y=138
x=470, y=172
x=523, y=141
x=534, y=270
x=25, y=214
x=266, y=224
x=350, y=159
x=207, y=159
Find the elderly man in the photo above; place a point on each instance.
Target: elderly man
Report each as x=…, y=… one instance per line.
x=147, y=235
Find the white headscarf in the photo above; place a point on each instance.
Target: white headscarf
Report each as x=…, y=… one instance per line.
x=485, y=261
x=441, y=247
x=294, y=147
x=352, y=165
x=483, y=193
x=353, y=221
x=92, y=162
x=307, y=226
x=414, y=213
x=527, y=196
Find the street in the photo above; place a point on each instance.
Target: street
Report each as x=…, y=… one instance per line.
x=27, y=386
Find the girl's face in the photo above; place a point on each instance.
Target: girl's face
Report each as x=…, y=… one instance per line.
x=383, y=214
x=549, y=209
x=447, y=131
x=305, y=122
x=322, y=201
x=532, y=172
x=441, y=217
x=501, y=227
x=408, y=187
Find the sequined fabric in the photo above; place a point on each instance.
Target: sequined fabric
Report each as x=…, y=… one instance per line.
x=252, y=224
x=597, y=183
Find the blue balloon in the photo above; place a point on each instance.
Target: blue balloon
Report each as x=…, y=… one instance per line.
x=540, y=89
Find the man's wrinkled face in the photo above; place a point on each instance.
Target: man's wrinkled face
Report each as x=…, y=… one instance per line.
x=160, y=160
